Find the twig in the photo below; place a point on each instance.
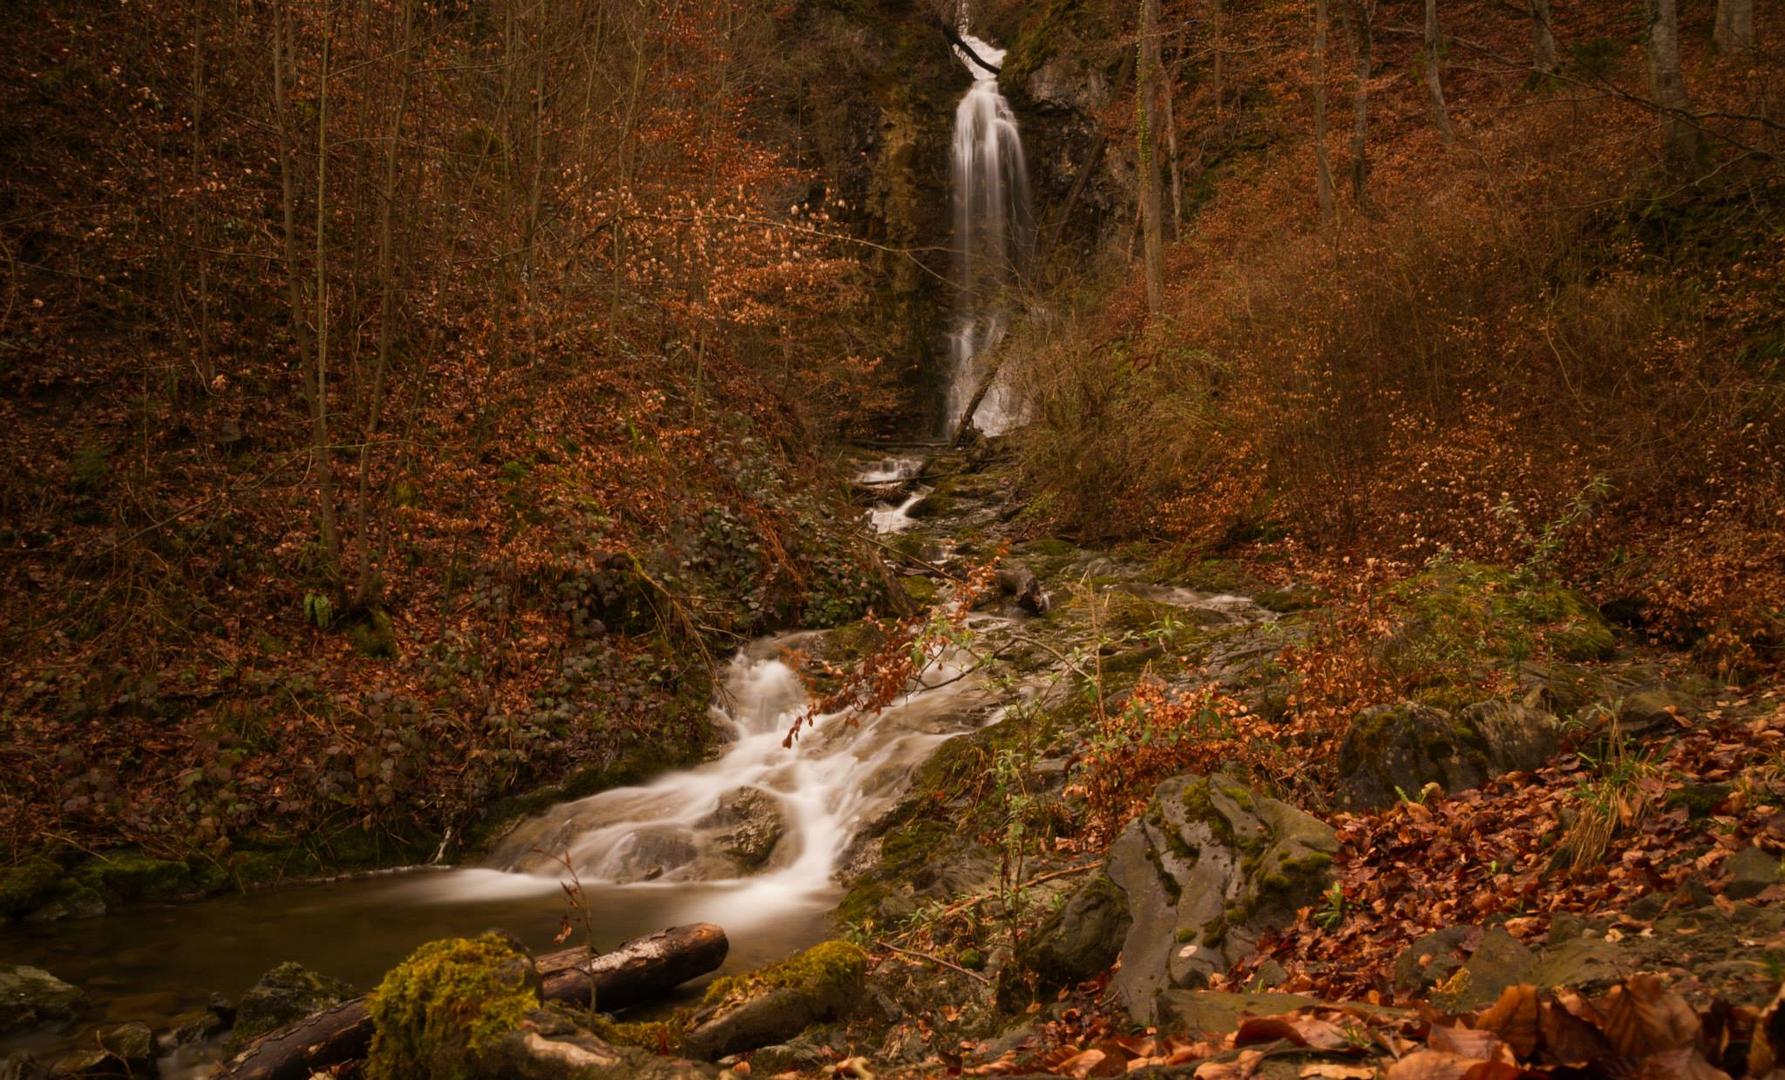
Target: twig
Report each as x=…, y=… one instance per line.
x=932, y=959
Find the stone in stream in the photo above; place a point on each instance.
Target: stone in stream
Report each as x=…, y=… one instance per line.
x=1393, y=751
x=754, y=826
x=1208, y=867
x=120, y=1051
x=287, y=993
x=31, y=997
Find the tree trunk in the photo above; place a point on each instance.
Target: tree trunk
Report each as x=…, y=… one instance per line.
x=1543, y=39
x=1734, y=31
x=1679, y=138
x=1151, y=212
x=1434, y=85
x=1323, y=179
x=640, y=970
x=1364, y=44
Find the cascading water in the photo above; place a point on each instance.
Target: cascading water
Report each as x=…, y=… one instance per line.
x=993, y=229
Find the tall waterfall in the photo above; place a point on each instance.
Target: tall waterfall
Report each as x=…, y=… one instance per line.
x=993, y=230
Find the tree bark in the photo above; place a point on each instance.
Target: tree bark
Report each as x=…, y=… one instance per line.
x=1151, y=211
x=1543, y=38
x=1364, y=46
x=1323, y=178
x=1734, y=31
x=1679, y=139
x=1434, y=84
x=640, y=970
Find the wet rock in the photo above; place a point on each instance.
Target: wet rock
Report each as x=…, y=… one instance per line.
x=546, y=1045
x=127, y=1050
x=653, y=852
x=1395, y=750
x=286, y=993
x=452, y=1008
x=754, y=824
x=1079, y=939
x=778, y=1002
x=27, y=885
x=30, y=997
x=799, y=1055
x=1751, y=871
x=1020, y=583
x=1207, y=868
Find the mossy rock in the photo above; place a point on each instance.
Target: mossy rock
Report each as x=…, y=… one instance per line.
x=283, y=995
x=1461, y=615
x=923, y=591
x=374, y=635
x=1393, y=751
x=743, y=1012
x=131, y=876
x=31, y=996
x=27, y=885
x=444, y=1012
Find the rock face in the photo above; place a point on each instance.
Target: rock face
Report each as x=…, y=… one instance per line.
x=124, y=1050
x=288, y=992
x=32, y=996
x=1396, y=749
x=1205, y=870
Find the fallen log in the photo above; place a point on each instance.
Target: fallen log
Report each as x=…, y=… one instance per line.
x=638, y=971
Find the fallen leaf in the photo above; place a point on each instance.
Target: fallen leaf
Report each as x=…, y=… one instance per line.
x=1328, y=1070
x=1514, y=1019
x=1306, y=1031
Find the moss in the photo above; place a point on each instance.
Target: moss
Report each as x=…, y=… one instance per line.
x=1048, y=547
x=25, y=886
x=921, y=590
x=826, y=971
x=657, y=1036
x=443, y=1010
x=125, y=876
x=374, y=635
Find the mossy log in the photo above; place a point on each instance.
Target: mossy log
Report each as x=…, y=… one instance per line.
x=640, y=970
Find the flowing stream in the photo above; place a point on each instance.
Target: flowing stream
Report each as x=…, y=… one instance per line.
x=994, y=229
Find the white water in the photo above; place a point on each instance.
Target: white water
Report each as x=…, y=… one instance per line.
x=993, y=230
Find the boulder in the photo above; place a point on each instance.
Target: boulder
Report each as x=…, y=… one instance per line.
x=1208, y=867
x=1751, y=872
x=1652, y=711
x=547, y=1045
x=652, y=852
x=1393, y=751
x=754, y=826
x=1214, y=1013
x=1498, y=962
x=30, y=997
x=1078, y=940
x=1020, y=583
x=1434, y=958
x=775, y=1004
x=288, y=992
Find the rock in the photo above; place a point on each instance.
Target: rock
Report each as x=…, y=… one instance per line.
x=1395, y=750
x=1020, y=582
x=1751, y=871
x=1208, y=867
x=1080, y=939
x=27, y=885
x=1583, y=963
x=546, y=1045
x=30, y=997
x=1434, y=958
x=455, y=1008
x=775, y=1004
x=755, y=823
x=1211, y=1012
x=653, y=852
x=798, y=1056
x=1499, y=961
x=123, y=1051
x=288, y=992
x=1651, y=712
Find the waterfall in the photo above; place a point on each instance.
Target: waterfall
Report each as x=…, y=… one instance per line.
x=993, y=230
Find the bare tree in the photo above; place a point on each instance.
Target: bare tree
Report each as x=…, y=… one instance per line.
x=1147, y=86
x=1679, y=138
x=1323, y=181
x=1361, y=15
x=1434, y=85
x=1543, y=38
x=1734, y=31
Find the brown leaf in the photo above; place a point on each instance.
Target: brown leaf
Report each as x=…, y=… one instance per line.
x=1514, y=1019
x=1241, y=1068
x=1683, y=1064
x=1467, y=1042
x=1570, y=1040
x=1432, y=1065
x=1330, y=1070
x=1643, y=1017
x=1306, y=1031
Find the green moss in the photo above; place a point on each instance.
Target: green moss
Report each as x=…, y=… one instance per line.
x=125, y=876
x=921, y=590
x=657, y=1036
x=374, y=635
x=443, y=1011
x=25, y=886
x=826, y=971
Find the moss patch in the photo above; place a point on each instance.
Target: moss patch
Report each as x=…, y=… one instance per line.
x=25, y=886
x=826, y=971
x=444, y=1010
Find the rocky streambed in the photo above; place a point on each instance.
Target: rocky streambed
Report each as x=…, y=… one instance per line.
x=979, y=900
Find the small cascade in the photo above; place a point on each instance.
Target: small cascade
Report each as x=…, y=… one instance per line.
x=994, y=230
